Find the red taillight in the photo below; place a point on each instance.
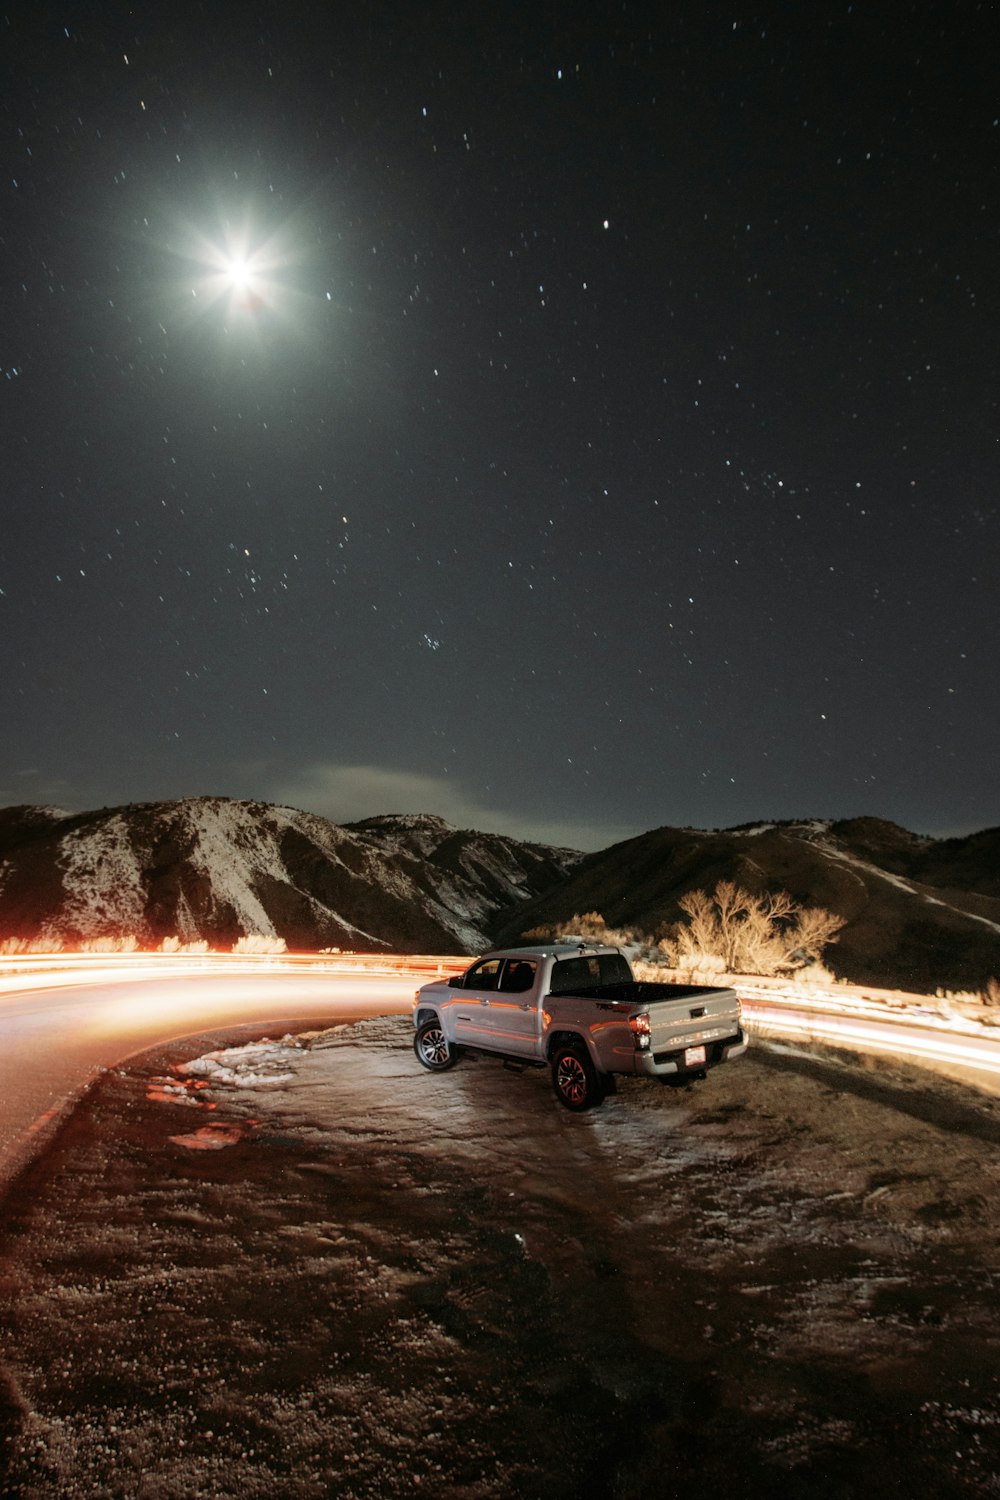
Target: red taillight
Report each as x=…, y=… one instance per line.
x=640, y=1030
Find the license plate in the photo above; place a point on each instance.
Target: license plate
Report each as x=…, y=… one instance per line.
x=693, y=1056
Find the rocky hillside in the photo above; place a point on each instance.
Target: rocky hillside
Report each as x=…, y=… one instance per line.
x=920, y=913
x=213, y=868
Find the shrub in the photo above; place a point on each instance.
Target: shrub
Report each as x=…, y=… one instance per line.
x=11, y=945
x=590, y=926
x=257, y=942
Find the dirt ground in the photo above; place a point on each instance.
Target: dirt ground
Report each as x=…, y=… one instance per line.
x=358, y=1279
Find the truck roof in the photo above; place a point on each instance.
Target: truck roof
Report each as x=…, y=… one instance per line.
x=564, y=948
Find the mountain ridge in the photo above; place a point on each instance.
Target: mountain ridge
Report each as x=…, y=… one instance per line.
x=919, y=912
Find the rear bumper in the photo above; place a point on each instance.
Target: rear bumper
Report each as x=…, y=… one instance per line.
x=666, y=1064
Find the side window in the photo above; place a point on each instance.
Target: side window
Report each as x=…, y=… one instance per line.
x=518, y=975
x=483, y=976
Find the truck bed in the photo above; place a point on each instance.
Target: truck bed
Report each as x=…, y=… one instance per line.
x=643, y=991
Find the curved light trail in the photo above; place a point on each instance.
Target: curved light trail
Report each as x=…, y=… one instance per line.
x=63, y=1017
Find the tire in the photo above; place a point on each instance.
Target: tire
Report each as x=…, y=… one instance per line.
x=574, y=1079
x=433, y=1048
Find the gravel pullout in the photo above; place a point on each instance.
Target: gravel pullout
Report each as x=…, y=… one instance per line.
x=315, y=1270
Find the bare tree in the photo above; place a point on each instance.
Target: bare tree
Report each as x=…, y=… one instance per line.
x=815, y=928
x=747, y=934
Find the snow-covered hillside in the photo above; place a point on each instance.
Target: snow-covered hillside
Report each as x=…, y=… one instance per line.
x=919, y=913
x=214, y=868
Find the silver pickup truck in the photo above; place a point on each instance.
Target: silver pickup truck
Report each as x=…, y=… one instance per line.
x=577, y=1008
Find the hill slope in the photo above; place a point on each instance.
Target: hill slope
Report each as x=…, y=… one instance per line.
x=213, y=868
x=920, y=913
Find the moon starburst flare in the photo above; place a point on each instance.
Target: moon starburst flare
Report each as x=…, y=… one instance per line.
x=233, y=275
x=239, y=274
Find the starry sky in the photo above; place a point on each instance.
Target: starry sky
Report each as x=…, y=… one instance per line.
x=568, y=419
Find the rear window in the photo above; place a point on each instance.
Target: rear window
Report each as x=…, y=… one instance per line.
x=575, y=973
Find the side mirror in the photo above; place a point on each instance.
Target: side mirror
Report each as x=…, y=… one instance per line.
x=456, y=982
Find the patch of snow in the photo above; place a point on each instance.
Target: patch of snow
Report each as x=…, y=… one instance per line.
x=811, y=828
x=909, y=889
x=401, y=833
x=220, y=830
x=102, y=879
x=187, y=928
x=261, y=1065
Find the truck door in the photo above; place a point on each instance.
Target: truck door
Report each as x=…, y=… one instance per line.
x=472, y=1004
x=513, y=1013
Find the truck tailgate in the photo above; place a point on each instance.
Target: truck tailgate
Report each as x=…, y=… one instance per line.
x=690, y=1020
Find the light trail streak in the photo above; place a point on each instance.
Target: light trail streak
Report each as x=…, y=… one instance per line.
x=50, y=970
x=911, y=1041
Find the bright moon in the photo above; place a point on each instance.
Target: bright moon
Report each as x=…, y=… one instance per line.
x=239, y=274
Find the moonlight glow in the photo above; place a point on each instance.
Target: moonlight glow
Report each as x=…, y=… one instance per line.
x=245, y=279
x=237, y=276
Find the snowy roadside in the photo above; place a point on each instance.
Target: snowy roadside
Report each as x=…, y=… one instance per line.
x=308, y=1268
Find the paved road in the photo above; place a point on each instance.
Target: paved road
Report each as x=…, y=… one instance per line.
x=54, y=1035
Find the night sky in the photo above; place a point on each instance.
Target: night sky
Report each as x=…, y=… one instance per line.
x=567, y=419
